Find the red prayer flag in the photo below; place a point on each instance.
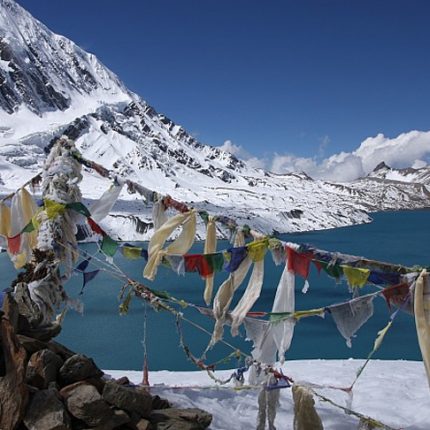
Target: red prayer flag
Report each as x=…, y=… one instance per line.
x=299, y=262
x=396, y=294
x=14, y=244
x=198, y=263
x=95, y=227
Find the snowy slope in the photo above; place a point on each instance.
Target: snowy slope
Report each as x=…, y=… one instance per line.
x=401, y=401
x=49, y=87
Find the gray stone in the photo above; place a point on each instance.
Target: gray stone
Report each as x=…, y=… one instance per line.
x=180, y=419
x=131, y=399
x=43, y=368
x=118, y=419
x=47, y=412
x=85, y=403
x=77, y=368
x=159, y=403
x=143, y=424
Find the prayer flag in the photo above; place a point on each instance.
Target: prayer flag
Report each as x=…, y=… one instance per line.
x=95, y=227
x=131, y=252
x=396, y=294
x=109, y=246
x=80, y=208
x=236, y=255
x=53, y=208
x=356, y=276
x=14, y=244
x=257, y=250
x=197, y=263
x=87, y=277
x=299, y=263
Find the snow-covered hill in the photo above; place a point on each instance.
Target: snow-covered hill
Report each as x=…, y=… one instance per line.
x=49, y=86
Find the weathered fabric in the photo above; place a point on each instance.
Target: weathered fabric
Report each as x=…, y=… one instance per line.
x=210, y=248
x=224, y=297
x=305, y=415
x=350, y=316
x=422, y=317
x=268, y=403
x=180, y=246
x=197, y=263
x=4, y=220
x=176, y=263
x=159, y=216
x=23, y=208
x=383, y=278
x=234, y=258
x=257, y=250
x=100, y=209
x=396, y=294
x=268, y=337
x=250, y=296
x=356, y=276
x=131, y=252
x=282, y=332
x=299, y=263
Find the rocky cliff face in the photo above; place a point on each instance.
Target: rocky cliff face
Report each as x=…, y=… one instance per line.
x=49, y=86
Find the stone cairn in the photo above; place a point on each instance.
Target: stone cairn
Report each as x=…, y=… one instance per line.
x=44, y=385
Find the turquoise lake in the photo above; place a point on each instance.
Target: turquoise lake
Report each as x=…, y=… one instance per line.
x=115, y=342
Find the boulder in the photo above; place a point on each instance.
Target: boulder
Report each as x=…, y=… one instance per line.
x=13, y=389
x=159, y=403
x=43, y=368
x=180, y=419
x=47, y=412
x=131, y=399
x=77, y=368
x=117, y=419
x=85, y=403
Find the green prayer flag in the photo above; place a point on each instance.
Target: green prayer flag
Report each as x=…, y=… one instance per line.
x=109, y=246
x=333, y=270
x=29, y=227
x=204, y=216
x=80, y=208
x=215, y=261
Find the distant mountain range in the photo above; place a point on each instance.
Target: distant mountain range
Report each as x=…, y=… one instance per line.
x=49, y=87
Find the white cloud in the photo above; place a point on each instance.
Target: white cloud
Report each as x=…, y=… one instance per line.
x=406, y=150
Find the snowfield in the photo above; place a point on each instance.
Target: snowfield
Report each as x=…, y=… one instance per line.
x=393, y=392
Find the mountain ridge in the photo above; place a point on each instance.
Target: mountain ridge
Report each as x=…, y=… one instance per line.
x=118, y=129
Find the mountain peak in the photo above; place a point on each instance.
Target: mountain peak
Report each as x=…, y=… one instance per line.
x=381, y=166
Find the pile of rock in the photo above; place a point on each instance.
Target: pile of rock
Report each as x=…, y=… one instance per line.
x=45, y=386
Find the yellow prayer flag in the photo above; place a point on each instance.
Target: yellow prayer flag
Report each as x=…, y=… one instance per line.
x=355, y=276
x=4, y=220
x=53, y=209
x=257, y=250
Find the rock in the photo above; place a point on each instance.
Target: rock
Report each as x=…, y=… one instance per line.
x=13, y=389
x=118, y=419
x=77, y=368
x=123, y=381
x=159, y=403
x=43, y=368
x=47, y=412
x=66, y=391
x=85, y=403
x=143, y=424
x=29, y=312
x=30, y=344
x=33, y=345
x=139, y=423
x=131, y=399
x=180, y=419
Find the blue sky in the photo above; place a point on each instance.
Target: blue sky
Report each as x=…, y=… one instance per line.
x=309, y=78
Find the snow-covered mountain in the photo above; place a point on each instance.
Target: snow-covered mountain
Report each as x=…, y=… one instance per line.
x=49, y=86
